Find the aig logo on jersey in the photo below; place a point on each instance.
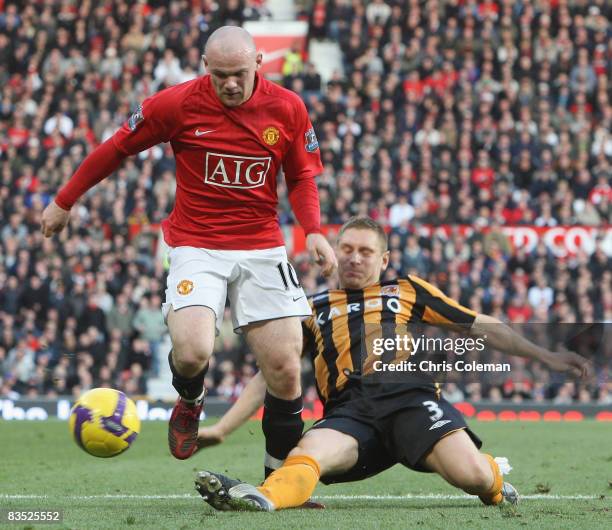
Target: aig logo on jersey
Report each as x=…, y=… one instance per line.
x=233, y=171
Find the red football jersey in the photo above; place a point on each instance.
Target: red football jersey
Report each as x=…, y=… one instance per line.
x=227, y=160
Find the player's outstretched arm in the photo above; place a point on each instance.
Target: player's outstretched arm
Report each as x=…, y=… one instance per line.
x=98, y=165
x=251, y=398
x=155, y=121
x=502, y=337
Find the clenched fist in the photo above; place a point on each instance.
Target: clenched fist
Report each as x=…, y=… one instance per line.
x=321, y=253
x=53, y=219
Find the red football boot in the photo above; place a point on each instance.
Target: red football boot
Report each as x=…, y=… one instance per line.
x=183, y=429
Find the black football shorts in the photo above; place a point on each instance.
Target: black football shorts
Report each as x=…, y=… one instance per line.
x=404, y=436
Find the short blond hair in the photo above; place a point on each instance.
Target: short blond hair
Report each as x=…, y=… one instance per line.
x=364, y=222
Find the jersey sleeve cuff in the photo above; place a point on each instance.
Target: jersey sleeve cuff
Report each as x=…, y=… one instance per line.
x=62, y=202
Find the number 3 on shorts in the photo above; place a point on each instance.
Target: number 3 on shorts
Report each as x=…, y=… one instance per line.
x=436, y=411
x=286, y=270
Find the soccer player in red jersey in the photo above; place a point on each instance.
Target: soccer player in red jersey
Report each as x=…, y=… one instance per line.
x=231, y=132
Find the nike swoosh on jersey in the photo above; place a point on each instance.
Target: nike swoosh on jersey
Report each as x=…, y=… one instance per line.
x=202, y=133
x=298, y=298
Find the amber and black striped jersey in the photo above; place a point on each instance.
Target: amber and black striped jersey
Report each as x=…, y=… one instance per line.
x=333, y=333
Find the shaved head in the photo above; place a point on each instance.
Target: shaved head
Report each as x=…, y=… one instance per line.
x=231, y=58
x=229, y=40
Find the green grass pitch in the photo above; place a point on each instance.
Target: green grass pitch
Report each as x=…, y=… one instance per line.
x=563, y=471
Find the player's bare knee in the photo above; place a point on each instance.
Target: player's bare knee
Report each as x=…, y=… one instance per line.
x=284, y=379
x=320, y=454
x=300, y=451
x=335, y=452
x=190, y=357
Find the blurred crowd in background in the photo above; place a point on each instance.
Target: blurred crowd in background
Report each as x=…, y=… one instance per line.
x=447, y=112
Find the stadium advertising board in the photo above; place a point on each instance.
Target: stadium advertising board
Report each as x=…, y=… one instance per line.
x=562, y=241
x=45, y=409
x=275, y=41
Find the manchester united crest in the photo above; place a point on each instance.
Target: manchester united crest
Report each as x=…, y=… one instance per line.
x=271, y=135
x=184, y=287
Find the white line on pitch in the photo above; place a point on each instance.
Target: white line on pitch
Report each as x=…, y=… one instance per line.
x=431, y=496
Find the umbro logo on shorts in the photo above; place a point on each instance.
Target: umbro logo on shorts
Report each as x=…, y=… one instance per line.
x=439, y=424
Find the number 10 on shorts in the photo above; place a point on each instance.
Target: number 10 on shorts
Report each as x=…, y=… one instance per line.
x=288, y=275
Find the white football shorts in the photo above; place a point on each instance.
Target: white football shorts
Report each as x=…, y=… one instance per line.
x=260, y=284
